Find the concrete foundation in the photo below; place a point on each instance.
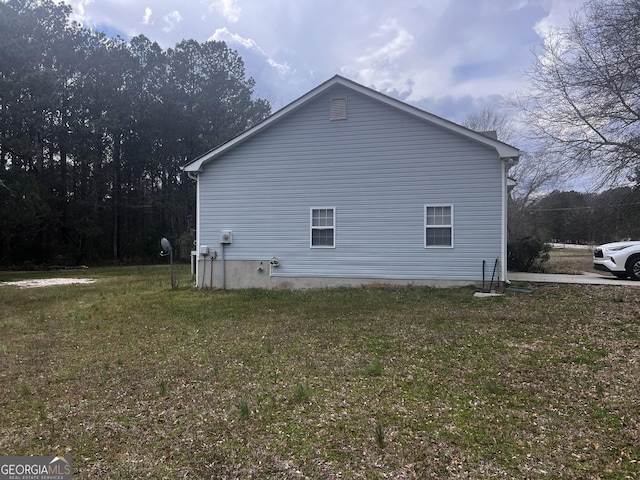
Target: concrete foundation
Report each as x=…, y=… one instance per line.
x=213, y=274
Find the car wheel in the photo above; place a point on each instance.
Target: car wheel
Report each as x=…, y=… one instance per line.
x=633, y=267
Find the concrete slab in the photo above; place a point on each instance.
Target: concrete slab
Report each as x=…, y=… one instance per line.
x=487, y=295
x=588, y=278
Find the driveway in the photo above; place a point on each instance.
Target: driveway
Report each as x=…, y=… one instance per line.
x=589, y=278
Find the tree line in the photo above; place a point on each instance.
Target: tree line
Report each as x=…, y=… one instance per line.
x=577, y=217
x=94, y=130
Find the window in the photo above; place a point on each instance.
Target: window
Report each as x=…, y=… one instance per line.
x=438, y=224
x=323, y=232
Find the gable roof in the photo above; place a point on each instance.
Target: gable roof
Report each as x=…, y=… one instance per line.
x=505, y=151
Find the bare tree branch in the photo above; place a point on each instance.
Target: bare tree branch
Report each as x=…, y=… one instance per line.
x=584, y=102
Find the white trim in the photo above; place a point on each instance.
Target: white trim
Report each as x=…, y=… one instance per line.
x=450, y=225
x=322, y=227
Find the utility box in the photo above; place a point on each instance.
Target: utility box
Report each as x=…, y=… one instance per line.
x=225, y=236
x=204, y=250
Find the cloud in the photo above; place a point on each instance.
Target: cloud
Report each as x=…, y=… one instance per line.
x=378, y=65
x=559, y=14
x=223, y=34
x=447, y=54
x=79, y=10
x=171, y=20
x=229, y=9
x=248, y=44
x=440, y=48
x=517, y=5
x=146, y=20
x=480, y=51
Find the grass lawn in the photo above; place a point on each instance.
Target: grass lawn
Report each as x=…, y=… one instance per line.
x=572, y=261
x=135, y=380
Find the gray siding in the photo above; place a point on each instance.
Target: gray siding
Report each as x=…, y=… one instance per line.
x=378, y=169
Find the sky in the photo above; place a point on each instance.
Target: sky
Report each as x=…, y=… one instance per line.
x=449, y=57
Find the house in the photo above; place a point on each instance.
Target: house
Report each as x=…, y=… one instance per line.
x=347, y=186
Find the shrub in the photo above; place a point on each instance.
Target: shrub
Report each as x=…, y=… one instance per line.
x=527, y=254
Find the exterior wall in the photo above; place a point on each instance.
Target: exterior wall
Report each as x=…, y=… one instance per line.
x=378, y=169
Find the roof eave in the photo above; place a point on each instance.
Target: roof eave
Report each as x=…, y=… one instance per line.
x=508, y=153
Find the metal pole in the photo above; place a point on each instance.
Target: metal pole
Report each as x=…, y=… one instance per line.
x=173, y=284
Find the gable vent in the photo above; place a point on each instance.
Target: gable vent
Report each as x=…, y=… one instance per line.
x=338, y=110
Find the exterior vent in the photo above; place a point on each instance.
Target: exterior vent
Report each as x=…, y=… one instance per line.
x=338, y=109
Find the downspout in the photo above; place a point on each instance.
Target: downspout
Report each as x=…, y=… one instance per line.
x=194, y=176
x=503, y=247
x=507, y=163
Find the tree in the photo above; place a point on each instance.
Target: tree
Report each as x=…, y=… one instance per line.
x=584, y=103
x=564, y=217
x=491, y=120
x=94, y=130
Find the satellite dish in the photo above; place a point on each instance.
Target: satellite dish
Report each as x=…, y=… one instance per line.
x=166, y=245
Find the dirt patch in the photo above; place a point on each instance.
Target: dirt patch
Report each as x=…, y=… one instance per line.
x=47, y=282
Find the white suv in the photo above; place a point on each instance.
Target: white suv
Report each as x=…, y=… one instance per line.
x=622, y=259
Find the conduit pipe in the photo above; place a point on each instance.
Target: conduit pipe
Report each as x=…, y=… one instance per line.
x=204, y=270
x=222, y=266
x=211, y=273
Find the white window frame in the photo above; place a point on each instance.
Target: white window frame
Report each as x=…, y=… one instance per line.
x=426, y=227
x=313, y=227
